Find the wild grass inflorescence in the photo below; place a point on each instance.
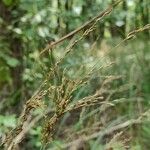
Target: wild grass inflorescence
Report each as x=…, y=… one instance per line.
x=60, y=88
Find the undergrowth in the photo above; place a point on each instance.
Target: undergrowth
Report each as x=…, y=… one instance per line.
x=96, y=102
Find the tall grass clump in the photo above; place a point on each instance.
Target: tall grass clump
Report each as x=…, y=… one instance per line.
x=81, y=101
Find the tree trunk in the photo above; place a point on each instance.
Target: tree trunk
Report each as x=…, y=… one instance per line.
x=68, y=8
x=14, y=46
x=123, y=27
x=144, y=15
x=85, y=12
x=58, y=17
x=115, y=30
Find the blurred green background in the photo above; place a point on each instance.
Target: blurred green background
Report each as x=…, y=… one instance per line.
x=27, y=26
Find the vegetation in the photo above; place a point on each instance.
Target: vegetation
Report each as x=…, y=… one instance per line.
x=74, y=74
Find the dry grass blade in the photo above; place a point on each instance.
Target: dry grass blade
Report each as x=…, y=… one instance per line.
x=134, y=32
x=100, y=15
x=109, y=130
x=64, y=92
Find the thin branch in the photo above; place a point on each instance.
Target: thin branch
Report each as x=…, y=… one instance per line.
x=99, y=16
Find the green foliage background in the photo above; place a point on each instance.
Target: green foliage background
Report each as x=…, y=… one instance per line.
x=26, y=27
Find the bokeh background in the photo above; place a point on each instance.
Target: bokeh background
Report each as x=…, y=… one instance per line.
x=27, y=26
